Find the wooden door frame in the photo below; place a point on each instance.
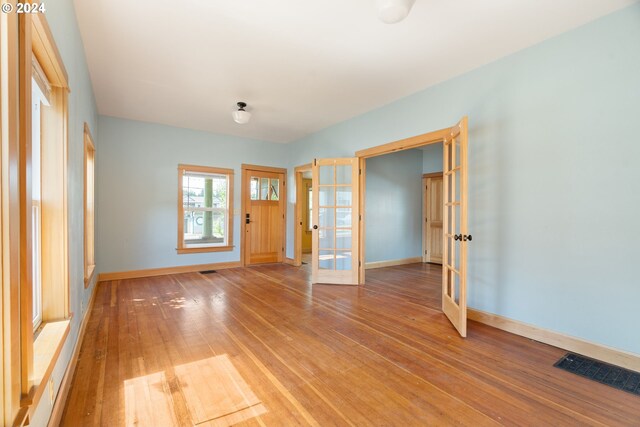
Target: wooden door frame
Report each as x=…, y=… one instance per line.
x=244, y=194
x=417, y=141
x=425, y=210
x=297, y=208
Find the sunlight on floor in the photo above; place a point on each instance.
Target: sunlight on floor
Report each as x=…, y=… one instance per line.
x=213, y=390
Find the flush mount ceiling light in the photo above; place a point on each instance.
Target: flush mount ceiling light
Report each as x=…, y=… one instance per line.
x=392, y=11
x=241, y=116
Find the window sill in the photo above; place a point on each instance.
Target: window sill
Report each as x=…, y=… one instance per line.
x=46, y=350
x=206, y=249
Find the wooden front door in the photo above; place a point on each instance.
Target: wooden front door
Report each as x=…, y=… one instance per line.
x=336, y=216
x=263, y=215
x=456, y=237
x=433, y=210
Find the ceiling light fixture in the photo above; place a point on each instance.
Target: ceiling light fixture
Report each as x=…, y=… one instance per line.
x=393, y=11
x=241, y=116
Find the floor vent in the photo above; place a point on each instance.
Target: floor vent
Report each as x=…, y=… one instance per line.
x=611, y=375
x=208, y=272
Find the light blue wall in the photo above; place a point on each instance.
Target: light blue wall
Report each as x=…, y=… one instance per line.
x=138, y=182
x=432, y=158
x=394, y=206
x=553, y=176
x=82, y=108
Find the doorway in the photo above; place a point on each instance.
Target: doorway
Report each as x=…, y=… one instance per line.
x=455, y=239
x=302, y=235
x=263, y=214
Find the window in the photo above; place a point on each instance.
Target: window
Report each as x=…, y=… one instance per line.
x=40, y=90
x=89, y=206
x=36, y=216
x=265, y=188
x=205, y=209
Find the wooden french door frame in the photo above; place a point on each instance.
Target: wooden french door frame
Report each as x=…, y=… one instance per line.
x=435, y=137
x=244, y=197
x=439, y=136
x=297, y=208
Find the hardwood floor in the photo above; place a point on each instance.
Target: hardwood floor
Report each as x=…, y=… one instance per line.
x=262, y=346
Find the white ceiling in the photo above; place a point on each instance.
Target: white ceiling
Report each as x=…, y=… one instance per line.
x=301, y=65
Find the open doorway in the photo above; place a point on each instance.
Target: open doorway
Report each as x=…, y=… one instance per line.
x=394, y=209
x=432, y=203
x=303, y=214
x=404, y=207
x=455, y=238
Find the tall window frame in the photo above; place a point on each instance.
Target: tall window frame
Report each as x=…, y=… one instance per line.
x=40, y=98
x=89, y=206
x=32, y=361
x=185, y=246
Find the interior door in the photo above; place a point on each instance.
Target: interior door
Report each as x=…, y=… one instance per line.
x=335, y=212
x=433, y=211
x=456, y=237
x=264, y=217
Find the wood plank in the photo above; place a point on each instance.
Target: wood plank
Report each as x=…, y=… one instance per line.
x=382, y=353
x=149, y=402
x=215, y=392
x=65, y=385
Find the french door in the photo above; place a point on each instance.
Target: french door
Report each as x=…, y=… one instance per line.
x=335, y=213
x=456, y=237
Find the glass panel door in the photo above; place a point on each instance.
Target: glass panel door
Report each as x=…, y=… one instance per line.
x=454, y=262
x=335, y=221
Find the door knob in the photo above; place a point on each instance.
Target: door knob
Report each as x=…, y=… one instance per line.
x=315, y=227
x=457, y=237
x=467, y=237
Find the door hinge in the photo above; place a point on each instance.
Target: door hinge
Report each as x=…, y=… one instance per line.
x=360, y=217
x=359, y=263
x=315, y=162
x=425, y=252
x=359, y=171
